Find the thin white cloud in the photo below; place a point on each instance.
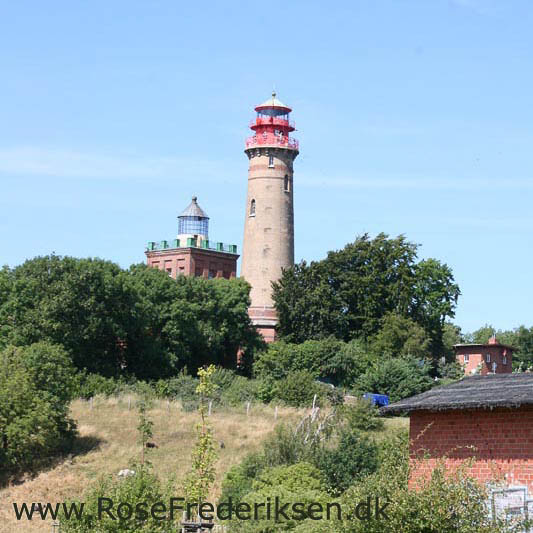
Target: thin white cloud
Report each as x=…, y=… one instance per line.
x=416, y=183
x=71, y=164
x=481, y=7
x=38, y=161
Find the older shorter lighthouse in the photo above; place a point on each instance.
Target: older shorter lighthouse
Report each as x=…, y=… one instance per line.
x=268, y=244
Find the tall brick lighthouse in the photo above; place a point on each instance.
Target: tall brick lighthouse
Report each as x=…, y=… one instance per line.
x=268, y=244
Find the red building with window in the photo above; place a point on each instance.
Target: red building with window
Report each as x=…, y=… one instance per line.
x=491, y=358
x=191, y=253
x=487, y=419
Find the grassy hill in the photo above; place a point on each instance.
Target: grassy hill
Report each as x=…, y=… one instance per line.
x=108, y=441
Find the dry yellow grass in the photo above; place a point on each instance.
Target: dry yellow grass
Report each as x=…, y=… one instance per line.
x=111, y=428
x=108, y=432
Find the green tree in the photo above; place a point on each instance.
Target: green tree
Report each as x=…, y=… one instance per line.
x=400, y=336
x=202, y=474
x=349, y=293
x=5, y=294
x=79, y=303
x=35, y=390
x=434, y=299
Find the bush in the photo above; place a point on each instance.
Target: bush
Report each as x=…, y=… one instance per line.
x=239, y=478
x=35, y=389
x=362, y=415
x=397, y=377
x=300, y=482
x=282, y=447
x=314, y=356
x=143, y=487
x=353, y=458
x=241, y=390
x=90, y=385
x=298, y=389
x=182, y=387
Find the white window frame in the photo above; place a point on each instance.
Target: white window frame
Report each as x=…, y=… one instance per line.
x=270, y=161
x=466, y=357
x=487, y=357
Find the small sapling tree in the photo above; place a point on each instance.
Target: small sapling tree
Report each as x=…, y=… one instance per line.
x=202, y=473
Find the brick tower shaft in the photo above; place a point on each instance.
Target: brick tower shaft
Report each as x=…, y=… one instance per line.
x=268, y=245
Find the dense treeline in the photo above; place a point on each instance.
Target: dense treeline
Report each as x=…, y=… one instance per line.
x=351, y=292
x=137, y=322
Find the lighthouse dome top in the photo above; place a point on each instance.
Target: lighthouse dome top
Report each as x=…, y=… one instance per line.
x=194, y=210
x=274, y=104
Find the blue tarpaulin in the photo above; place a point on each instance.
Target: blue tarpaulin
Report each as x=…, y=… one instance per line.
x=377, y=399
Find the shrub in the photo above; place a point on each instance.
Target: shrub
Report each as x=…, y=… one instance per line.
x=182, y=387
x=301, y=483
x=239, y=478
x=397, y=377
x=143, y=487
x=354, y=457
x=313, y=356
x=241, y=390
x=35, y=389
x=298, y=389
x=362, y=415
x=89, y=385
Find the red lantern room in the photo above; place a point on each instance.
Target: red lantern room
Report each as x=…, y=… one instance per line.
x=272, y=126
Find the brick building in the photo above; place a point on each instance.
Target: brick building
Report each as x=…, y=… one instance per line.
x=191, y=253
x=489, y=418
x=484, y=359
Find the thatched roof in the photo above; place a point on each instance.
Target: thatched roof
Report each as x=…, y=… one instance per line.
x=473, y=392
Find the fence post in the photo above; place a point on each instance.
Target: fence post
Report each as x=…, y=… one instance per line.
x=247, y=408
x=91, y=403
x=209, y=408
x=276, y=413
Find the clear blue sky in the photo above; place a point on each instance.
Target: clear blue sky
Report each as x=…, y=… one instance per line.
x=413, y=117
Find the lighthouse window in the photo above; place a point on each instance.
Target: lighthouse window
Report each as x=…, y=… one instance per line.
x=271, y=161
x=252, y=208
x=286, y=183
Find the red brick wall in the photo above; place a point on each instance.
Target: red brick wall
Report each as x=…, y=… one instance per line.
x=501, y=440
x=478, y=355
x=194, y=262
x=265, y=320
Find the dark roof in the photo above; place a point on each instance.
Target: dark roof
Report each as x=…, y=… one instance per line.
x=193, y=210
x=488, y=345
x=473, y=392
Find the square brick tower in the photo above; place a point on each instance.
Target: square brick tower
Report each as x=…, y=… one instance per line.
x=268, y=244
x=192, y=253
